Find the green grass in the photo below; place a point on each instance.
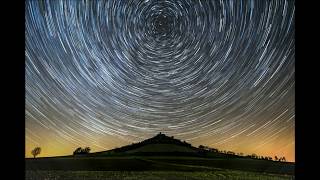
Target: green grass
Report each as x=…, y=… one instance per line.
x=151, y=175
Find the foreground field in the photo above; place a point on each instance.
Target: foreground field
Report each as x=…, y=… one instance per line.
x=155, y=168
x=217, y=174
x=160, y=163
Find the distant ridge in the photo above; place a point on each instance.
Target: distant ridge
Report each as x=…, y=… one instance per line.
x=159, y=145
x=158, y=139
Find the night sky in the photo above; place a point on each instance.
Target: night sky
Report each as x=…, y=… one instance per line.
x=108, y=73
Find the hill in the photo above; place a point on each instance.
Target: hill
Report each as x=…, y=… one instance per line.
x=159, y=145
x=162, y=145
x=159, y=153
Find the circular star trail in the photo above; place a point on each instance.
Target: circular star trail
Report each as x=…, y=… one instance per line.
x=107, y=73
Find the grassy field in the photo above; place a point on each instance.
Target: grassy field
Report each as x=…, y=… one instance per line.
x=160, y=163
x=232, y=163
x=155, y=168
x=216, y=174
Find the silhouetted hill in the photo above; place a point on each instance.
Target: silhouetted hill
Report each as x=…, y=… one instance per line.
x=159, y=153
x=160, y=145
x=156, y=140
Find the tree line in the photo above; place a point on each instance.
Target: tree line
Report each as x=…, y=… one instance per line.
x=253, y=156
x=80, y=151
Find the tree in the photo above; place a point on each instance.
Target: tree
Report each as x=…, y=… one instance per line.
x=275, y=158
x=80, y=150
x=36, y=151
x=230, y=153
x=213, y=150
x=201, y=147
x=254, y=156
x=86, y=150
x=77, y=151
x=283, y=159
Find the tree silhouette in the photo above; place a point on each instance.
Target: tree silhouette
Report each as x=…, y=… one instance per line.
x=36, y=151
x=283, y=159
x=86, y=150
x=275, y=158
x=80, y=150
x=77, y=151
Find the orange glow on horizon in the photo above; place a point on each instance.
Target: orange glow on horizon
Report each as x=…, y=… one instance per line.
x=54, y=149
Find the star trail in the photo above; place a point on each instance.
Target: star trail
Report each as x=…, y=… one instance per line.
x=108, y=73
